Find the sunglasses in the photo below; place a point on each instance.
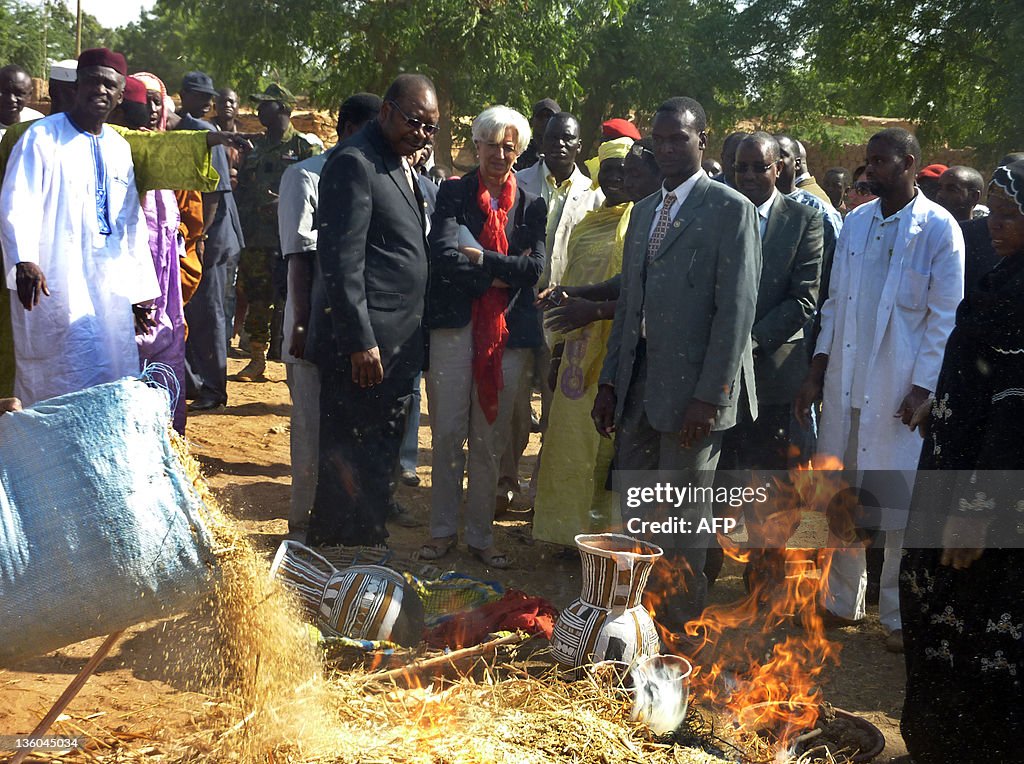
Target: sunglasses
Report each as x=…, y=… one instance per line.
x=759, y=169
x=416, y=124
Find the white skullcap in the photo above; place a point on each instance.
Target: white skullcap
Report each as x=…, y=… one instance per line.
x=64, y=71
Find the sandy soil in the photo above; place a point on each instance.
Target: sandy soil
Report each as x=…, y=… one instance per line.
x=244, y=450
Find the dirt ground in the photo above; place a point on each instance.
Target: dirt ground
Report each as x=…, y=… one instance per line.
x=244, y=451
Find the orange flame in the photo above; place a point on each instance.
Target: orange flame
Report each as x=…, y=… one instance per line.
x=761, y=658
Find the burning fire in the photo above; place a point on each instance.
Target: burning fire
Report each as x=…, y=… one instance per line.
x=760, y=658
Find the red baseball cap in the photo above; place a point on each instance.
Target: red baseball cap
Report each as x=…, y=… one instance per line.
x=619, y=128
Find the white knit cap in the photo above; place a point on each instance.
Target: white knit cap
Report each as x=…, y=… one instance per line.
x=64, y=71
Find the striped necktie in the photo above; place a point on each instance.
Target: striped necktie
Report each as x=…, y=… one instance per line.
x=662, y=226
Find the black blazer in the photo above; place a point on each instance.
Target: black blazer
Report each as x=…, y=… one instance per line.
x=455, y=282
x=372, y=254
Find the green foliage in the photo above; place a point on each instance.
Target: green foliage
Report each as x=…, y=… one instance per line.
x=663, y=48
x=33, y=35
x=160, y=43
x=944, y=64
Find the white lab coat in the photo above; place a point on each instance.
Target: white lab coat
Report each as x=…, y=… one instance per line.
x=916, y=315
x=83, y=333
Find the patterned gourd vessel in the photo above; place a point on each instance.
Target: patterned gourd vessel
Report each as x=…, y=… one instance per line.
x=608, y=621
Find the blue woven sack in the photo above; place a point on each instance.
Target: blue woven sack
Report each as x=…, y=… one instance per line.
x=100, y=528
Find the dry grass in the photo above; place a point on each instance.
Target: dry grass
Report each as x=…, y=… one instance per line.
x=268, y=700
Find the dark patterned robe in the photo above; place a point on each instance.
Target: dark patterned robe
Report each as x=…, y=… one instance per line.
x=964, y=629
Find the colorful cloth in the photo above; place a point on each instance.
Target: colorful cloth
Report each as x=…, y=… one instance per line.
x=571, y=494
x=190, y=209
x=453, y=593
x=616, y=148
x=165, y=342
x=514, y=612
x=490, y=329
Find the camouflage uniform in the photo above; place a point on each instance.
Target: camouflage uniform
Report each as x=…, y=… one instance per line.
x=258, y=181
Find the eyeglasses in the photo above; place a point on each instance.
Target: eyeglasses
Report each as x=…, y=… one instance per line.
x=640, y=151
x=416, y=124
x=758, y=168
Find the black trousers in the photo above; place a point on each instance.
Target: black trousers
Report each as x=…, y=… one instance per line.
x=361, y=433
x=206, y=362
x=762, y=444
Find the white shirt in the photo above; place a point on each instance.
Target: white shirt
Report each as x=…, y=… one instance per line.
x=83, y=333
x=299, y=194
x=874, y=272
x=763, y=210
x=298, y=199
x=682, y=191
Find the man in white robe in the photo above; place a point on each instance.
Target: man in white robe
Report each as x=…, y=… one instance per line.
x=897, y=278
x=75, y=243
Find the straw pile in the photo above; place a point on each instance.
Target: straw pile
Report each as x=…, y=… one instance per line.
x=266, y=698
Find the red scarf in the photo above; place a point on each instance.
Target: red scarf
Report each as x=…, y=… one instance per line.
x=490, y=330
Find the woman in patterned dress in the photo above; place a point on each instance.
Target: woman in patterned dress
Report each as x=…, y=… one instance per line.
x=962, y=593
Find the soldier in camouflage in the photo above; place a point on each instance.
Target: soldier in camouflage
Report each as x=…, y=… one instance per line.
x=262, y=272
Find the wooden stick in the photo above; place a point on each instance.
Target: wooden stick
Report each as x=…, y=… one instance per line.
x=808, y=736
x=69, y=694
x=448, y=659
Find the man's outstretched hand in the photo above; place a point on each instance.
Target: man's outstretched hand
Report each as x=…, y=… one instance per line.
x=230, y=140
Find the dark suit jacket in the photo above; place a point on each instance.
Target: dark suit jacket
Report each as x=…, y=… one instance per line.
x=455, y=282
x=699, y=294
x=372, y=255
x=791, y=255
x=979, y=257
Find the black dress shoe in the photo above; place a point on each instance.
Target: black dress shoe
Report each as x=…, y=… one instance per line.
x=205, y=404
